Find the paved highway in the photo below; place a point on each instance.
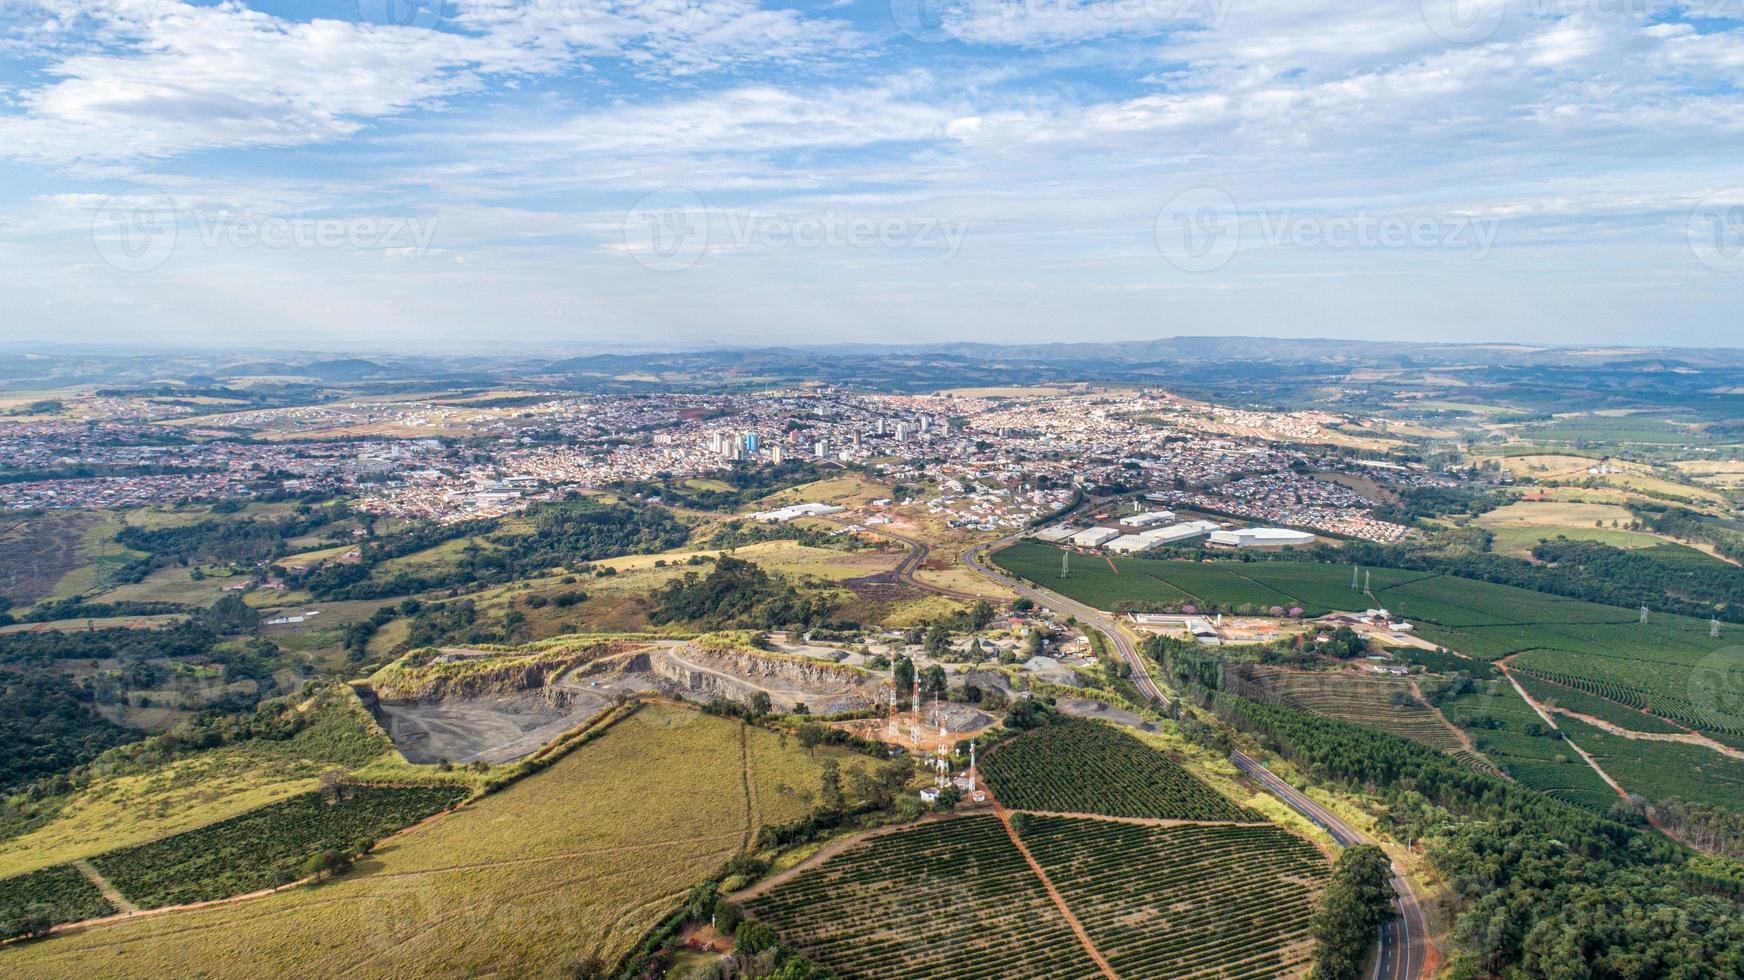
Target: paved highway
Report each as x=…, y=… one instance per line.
x=1094, y=618
x=1404, y=940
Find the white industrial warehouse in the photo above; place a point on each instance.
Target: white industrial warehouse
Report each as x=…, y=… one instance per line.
x=1260, y=537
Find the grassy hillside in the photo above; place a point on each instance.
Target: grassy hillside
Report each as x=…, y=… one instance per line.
x=578, y=860
x=126, y=803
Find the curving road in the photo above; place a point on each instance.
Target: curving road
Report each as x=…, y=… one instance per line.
x=1404, y=943
x=1404, y=939
x=1094, y=618
x=917, y=555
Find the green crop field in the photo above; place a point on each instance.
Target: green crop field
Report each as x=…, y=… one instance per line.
x=1076, y=766
x=265, y=847
x=949, y=898
x=1669, y=667
x=58, y=894
x=1389, y=704
x=1496, y=718
x=1662, y=771
x=1184, y=901
x=1573, y=696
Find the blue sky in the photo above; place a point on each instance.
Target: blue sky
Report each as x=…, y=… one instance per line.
x=555, y=174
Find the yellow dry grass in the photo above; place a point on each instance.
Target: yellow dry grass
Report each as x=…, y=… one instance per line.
x=126, y=810
x=579, y=860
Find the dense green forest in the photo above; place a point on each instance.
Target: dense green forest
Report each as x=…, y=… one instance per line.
x=737, y=594
x=227, y=541
x=564, y=533
x=1543, y=887
x=747, y=482
x=48, y=724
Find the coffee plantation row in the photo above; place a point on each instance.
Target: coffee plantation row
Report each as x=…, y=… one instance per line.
x=1076, y=766
x=259, y=849
x=1184, y=901
x=947, y=898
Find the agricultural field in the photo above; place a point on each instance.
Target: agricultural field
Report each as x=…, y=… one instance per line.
x=1453, y=605
x=1572, y=696
x=58, y=894
x=1497, y=719
x=38, y=551
x=1187, y=900
x=1663, y=771
x=1669, y=667
x=945, y=898
x=1077, y=766
x=1389, y=704
x=1107, y=581
x=575, y=861
x=264, y=847
x=1518, y=527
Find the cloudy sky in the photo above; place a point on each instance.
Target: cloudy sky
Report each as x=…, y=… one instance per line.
x=549, y=173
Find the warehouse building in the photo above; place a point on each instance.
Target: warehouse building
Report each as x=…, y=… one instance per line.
x=1173, y=534
x=1055, y=534
x=1261, y=537
x=796, y=511
x=1094, y=537
x=1148, y=518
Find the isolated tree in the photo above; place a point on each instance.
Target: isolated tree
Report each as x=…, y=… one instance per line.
x=333, y=784
x=933, y=682
x=902, y=675
x=752, y=937
x=938, y=641
x=326, y=864
x=830, y=786
x=760, y=704
x=811, y=735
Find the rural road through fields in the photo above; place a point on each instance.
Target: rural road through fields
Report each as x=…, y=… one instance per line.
x=1091, y=617
x=1404, y=948
x=917, y=555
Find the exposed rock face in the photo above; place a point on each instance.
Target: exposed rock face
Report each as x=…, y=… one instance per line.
x=486, y=677
x=738, y=674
